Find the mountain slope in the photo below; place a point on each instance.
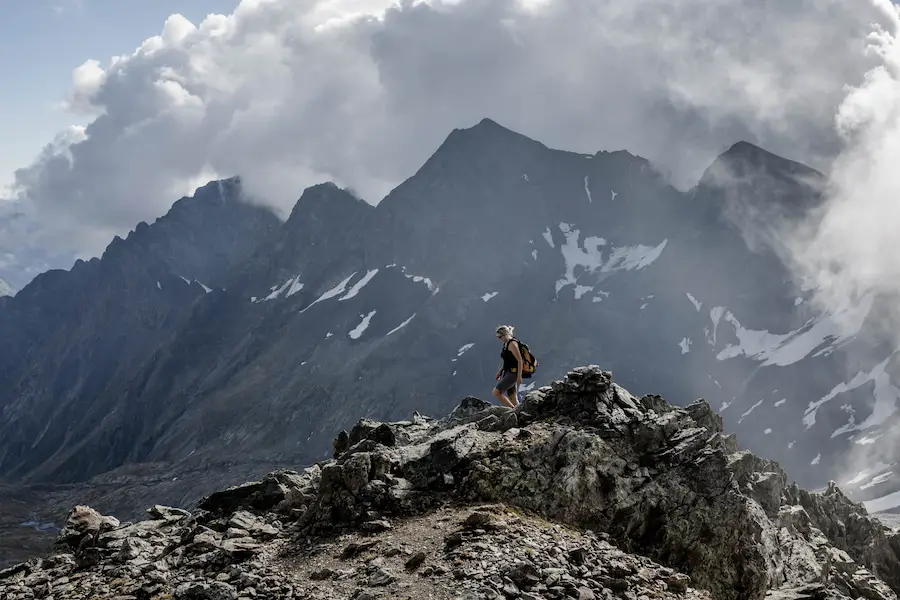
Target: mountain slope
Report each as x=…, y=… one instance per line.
x=348, y=310
x=78, y=337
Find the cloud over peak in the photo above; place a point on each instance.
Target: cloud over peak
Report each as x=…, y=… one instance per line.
x=360, y=92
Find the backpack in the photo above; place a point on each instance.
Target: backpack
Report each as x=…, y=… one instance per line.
x=530, y=362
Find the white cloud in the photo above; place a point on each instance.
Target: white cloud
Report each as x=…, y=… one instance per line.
x=847, y=249
x=361, y=92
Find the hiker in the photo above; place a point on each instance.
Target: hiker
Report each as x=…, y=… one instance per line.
x=509, y=377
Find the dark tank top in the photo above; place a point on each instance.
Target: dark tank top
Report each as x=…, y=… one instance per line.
x=510, y=362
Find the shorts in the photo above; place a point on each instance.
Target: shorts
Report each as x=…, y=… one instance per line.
x=507, y=382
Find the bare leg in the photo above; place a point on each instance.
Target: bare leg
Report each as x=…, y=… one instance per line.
x=502, y=398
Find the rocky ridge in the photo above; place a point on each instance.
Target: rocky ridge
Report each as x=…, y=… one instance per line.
x=583, y=491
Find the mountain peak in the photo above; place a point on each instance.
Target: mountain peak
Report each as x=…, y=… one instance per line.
x=744, y=159
x=198, y=232
x=487, y=144
x=325, y=198
x=489, y=130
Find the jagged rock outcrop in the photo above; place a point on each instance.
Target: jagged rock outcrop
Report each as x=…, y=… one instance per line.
x=593, y=493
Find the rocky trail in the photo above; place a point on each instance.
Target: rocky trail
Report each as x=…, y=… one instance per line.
x=584, y=491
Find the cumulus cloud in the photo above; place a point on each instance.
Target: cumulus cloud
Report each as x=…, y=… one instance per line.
x=362, y=91
x=846, y=249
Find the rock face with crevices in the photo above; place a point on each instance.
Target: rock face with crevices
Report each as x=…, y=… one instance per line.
x=592, y=492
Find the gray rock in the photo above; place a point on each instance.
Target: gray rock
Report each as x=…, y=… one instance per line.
x=168, y=513
x=133, y=547
x=216, y=590
x=415, y=561
x=84, y=526
x=322, y=574
x=381, y=577
x=376, y=526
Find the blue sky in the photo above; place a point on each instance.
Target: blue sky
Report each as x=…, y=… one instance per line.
x=42, y=41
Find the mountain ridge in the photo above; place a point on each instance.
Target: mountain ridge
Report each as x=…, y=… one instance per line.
x=350, y=310
x=587, y=490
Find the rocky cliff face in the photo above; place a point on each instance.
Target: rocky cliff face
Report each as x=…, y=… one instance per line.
x=584, y=491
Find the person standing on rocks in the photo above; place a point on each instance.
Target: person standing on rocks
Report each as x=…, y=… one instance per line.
x=509, y=377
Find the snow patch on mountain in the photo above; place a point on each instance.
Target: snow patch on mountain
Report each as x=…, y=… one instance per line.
x=786, y=349
x=613, y=195
x=877, y=480
x=715, y=316
x=581, y=290
x=359, y=285
x=548, y=235
x=335, y=291
x=591, y=257
x=295, y=287
x=867, y=440
x=685, y=345
x=697, y=304
x=885, y=393
x=868, y=472
x=434, y=289
x=276, y=291
x=489, y=295
x=292, y=286
x=747, y=412
x=363, y=325
x=463, y=349
x=587, y=189
x=401, y=325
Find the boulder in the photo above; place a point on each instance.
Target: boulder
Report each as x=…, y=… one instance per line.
x=83, y=527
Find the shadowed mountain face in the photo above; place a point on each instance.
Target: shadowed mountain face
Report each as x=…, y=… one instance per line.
x=75, y=342
x=218, y=341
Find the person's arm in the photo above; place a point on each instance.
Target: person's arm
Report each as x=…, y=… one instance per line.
x=521, y=361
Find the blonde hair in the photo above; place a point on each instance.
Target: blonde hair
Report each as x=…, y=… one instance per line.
x=505, y=330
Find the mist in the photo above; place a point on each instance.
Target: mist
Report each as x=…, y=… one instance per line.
x=846, y=248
